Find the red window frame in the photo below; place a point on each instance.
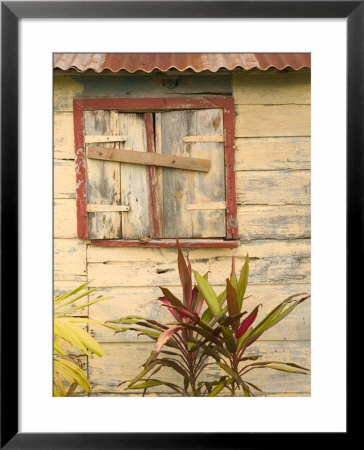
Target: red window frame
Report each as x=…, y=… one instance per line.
x=152, y=105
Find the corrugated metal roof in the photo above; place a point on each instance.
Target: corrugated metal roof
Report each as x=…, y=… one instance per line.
x=198, y=62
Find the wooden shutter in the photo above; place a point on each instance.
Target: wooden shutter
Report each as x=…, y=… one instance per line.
x=187, y=203
x=103, y=177
x=189, y=195
x=112, y=183
x=134, y=179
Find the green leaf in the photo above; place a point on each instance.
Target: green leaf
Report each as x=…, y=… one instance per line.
x=207, y=315
x=229, y=339
x=146, y=384
x=204, y=333
x=246, y=391
x=229, y=370
x=208, y=294
x=191, y=346
x=254, y=386
x=60, y=298
x=152, y=383
x=243, y=282
x=77, y=337
x=275, y=316
x=73, y=300
x=285, y=368
x=68, y=311
x=59, y=385
x=218, y=388
x=250, y=358
x=277, y=365
x=141, y=374
x=199, y=296
x=64, y=365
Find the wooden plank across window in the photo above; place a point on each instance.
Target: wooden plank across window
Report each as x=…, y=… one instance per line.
x=107, y=208
x=150, y=159
x=205, y=206
x=205, y=138
x=94, y=139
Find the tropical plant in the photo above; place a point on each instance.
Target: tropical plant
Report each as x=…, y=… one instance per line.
x=218, y=336
x=70, y=340
x=189, y=339
x=236, y=334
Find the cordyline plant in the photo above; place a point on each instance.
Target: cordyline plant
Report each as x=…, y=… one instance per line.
x=219, y=336
x=235, y=331
x=183, y=345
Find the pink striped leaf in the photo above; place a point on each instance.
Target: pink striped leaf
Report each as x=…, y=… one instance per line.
x=166, y=335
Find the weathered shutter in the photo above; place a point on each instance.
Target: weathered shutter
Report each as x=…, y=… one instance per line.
x=193, y=202
x=134, y=179
x=103, y=177
x=113, y=185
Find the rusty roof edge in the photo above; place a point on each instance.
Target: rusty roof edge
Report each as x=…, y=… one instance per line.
x=198, y=62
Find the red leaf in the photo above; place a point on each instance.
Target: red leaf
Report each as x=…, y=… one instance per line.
x=184, y=275
x=193, y=298
x=232, y=303
x=247, y=322
x=165, y=336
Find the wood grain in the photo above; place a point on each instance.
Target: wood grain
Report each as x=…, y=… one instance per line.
x=205, y=138
x=181, y=189
x=273, y=187
x=63, y=145
x=272, y=120
x=267, y=88
x=106, y=208
x=107, y=372
x=273, y=153
x=103, y=177
x=66, y=87
x=150, y=159
x=270, y=262
x=257, y=249
x=274, y=222
x=64, y=179
x=134, y=179
x=101, y=139
x=64, y=218
x=69, y=260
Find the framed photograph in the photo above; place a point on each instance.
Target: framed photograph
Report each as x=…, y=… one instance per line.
x=179, y=196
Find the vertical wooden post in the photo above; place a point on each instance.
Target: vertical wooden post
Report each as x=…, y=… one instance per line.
x=155, y=216
x=81, y=202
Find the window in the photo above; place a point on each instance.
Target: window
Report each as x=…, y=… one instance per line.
x=151, y=170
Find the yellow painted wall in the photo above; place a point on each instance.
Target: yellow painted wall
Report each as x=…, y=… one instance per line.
x=272, y=141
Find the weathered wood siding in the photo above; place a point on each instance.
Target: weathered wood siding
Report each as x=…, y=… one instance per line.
x=273, y=194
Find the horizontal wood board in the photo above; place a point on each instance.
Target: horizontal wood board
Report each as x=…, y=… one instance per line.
x=160, y=85
x=107, y=372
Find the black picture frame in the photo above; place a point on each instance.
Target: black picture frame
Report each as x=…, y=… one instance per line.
x=11, y=12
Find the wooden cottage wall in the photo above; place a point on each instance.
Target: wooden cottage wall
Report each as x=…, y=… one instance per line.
x=273, y=196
